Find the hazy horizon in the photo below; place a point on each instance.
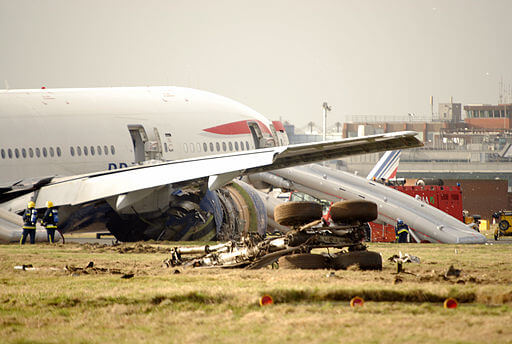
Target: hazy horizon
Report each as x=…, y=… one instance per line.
x=282, y=58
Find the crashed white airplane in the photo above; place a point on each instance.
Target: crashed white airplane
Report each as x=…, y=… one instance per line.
x=147, y=162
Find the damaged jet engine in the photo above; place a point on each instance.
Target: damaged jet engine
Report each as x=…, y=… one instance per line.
x=185, y=212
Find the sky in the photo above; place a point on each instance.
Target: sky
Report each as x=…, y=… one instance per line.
x=284, y=58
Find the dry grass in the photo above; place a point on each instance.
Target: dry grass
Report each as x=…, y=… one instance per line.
x=51, y=305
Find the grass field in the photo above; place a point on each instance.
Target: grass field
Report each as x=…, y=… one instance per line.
x=176, y=305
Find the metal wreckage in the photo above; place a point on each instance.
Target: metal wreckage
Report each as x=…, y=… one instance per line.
x=307, y=231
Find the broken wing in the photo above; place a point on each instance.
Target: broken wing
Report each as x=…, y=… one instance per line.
x=86, y=188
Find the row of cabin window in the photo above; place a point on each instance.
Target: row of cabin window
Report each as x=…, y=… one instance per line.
x=217, y=146
x=51, y=152
x=78, y=151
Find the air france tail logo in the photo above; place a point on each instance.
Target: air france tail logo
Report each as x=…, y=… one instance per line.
x=386, y=167
x=114, y=166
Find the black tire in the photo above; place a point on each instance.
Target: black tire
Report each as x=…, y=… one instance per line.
x=353, y=211
x=503, y=225
x=297, y=213
x=303, y=261
x=366, y=260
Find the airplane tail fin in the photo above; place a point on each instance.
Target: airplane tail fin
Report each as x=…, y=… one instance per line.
x=387, y=166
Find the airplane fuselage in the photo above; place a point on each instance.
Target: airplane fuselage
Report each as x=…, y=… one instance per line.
x=59, y=145
x=75, y=131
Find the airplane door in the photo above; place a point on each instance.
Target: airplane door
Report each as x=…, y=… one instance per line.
x=256, y=133
x=139, y=139
x=154, y=147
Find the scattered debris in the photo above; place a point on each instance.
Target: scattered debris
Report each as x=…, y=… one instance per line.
x=452, y=272
x=404, y=258
x=253, y=251
x=24, y=267
x=401, y=259
x=90, y=269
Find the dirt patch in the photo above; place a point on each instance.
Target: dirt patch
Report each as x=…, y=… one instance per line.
x=140, y=248
x=90, y=269
x=124, y=248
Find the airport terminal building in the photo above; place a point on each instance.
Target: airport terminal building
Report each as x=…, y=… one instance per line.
x=462, y=143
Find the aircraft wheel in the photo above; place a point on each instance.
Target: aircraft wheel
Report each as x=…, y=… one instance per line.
x=297, y=213
x=504, y=225
x=352, y=211
x=367, y=260
x=303, y=261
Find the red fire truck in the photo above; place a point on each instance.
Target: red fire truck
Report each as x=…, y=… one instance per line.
x=445, y=198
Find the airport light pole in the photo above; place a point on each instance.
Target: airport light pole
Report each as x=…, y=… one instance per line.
x=325, y=108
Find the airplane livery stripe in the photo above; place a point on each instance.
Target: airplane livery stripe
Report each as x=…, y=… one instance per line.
x=236, y=128
x=390, y=162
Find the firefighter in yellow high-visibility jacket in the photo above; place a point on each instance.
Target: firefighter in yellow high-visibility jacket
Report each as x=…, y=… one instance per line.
x=50, y=221
x=402, y=231
x=29, y=223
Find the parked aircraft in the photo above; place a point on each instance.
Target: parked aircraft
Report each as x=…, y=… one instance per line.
x=148, y=162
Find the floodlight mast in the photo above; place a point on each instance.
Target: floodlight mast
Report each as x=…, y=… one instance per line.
x=325, y=108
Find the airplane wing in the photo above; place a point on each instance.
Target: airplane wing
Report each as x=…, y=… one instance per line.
x=220, y=169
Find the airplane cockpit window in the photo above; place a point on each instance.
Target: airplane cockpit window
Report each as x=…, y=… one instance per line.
x=24, y=152
x=17, y=153
x=72, y=151
x=217, y=145
x=38, y=152
x=247, y=145
x=52, y=152
x=112, y=150
x=45, y=152
x=211, y=147
x=198, y=145
x=3, y=153
x=242, y=145
x=205, y=147
x=59, y=152
x=98, y=149
x=9, y=153
x=78, y=150
x=92, y=150
x=105, y=150
x=224, y=146
x=86, y=151
x=31, y=152
x=236, y=145
x=230, y=144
